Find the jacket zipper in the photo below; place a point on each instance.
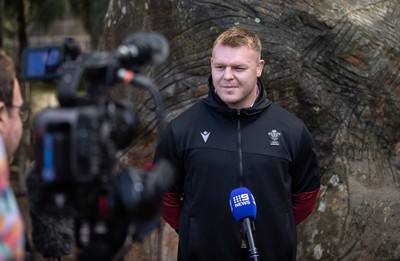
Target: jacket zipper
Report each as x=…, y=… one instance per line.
x=239, y=130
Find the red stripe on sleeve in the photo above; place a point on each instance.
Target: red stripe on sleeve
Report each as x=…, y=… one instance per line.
x=172, y=203
x=303, y=204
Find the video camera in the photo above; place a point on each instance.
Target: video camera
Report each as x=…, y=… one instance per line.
x=77, y=143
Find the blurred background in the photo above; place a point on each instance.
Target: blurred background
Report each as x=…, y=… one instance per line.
x=335, y=64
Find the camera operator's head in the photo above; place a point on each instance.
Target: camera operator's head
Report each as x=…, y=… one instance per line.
x=12, y=110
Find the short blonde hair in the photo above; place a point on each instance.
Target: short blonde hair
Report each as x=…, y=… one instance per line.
x=237, y=37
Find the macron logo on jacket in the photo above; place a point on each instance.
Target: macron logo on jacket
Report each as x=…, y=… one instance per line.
x=205, y=135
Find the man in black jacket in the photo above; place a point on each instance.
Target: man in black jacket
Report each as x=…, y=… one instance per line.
x=236, y=137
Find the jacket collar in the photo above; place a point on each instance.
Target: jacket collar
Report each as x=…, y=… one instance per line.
x=216, y=104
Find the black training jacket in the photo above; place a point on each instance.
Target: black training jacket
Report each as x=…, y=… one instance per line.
x=214, y=150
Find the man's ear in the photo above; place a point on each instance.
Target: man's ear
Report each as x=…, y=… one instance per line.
x=260, y=67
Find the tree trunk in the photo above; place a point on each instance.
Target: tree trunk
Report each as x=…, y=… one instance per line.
x=335, y=64
x=22, y=37
x=1, y=24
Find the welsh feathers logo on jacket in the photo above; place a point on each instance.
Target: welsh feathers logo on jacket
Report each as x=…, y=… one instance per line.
x=274, y=135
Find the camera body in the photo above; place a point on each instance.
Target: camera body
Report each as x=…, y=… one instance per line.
x=43, y=62
x=77, y=144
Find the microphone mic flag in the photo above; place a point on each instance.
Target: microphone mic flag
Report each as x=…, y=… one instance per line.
x=242, y=204
x=244, y=210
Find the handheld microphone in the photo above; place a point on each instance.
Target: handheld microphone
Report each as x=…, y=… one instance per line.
x=244, y=210
x=143, y=48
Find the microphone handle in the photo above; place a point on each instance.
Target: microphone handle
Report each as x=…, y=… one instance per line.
x=248, y=232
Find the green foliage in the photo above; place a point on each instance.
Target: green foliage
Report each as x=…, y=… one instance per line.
x=9, y=33
x=91, y=13
x=44, y=12
x=10, y=6
x=8, y=26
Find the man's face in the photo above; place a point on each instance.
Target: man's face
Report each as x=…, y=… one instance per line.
x=11, y=122
x=234, y=72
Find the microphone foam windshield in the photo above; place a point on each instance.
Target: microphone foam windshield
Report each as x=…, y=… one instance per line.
x=242, y=204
